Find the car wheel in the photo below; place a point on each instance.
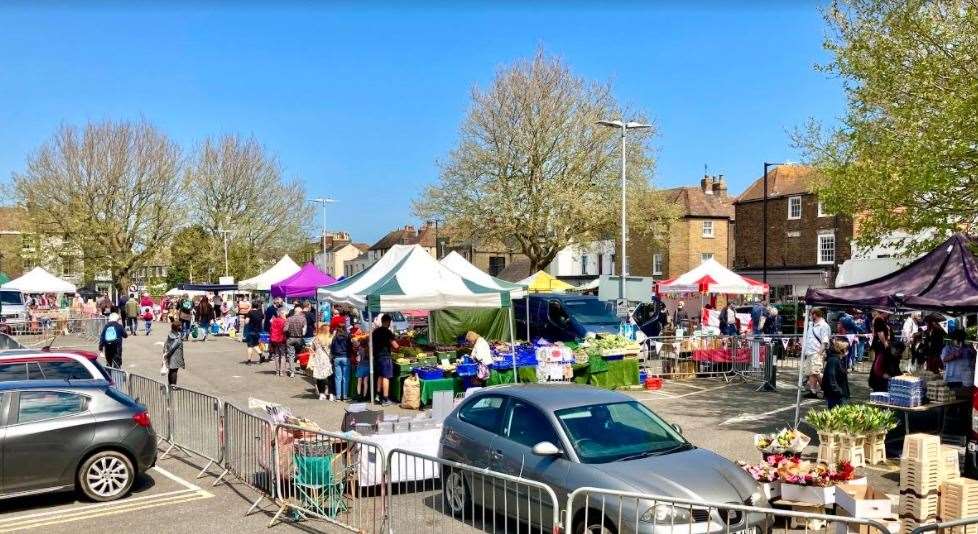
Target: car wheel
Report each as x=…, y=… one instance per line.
x=106, y=476
x=455, y=492
x=596, y=524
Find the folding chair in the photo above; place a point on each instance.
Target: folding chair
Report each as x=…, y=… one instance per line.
x=319, y=483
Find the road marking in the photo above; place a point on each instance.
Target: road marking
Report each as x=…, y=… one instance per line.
x=191, y=492
x=743, y=418
x=702, y=391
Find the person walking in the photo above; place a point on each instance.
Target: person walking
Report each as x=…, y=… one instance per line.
x=319, y=362
x=295, y=330
x=148, y=320
x=186, y=313
x=173, y=353
x=272, y=311
x=110, y=341
x=276, y=340
x=680, y=319
x=384, y=344
x=132, y=313
x=814, y=344
x=253, y=318
x=205, y=314
x=340, y=348
x=835, y=380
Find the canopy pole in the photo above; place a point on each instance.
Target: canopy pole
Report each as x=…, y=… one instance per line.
x=512, y=341
x=801, y=367
x=527, y=297
x=370, y=352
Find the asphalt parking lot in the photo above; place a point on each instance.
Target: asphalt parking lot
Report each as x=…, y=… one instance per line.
x=721, y=416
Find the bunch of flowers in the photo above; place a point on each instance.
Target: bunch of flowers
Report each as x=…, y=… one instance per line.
x=852, y=419
x=786, y=440
x=792, y=470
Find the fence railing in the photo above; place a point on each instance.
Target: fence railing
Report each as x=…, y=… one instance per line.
x=55, y=330
x=196, y=425
x=968, y=525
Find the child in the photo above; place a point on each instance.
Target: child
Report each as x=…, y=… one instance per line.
x=835, y=381
x=363, y=370
x=276, y=337
x=148, y=319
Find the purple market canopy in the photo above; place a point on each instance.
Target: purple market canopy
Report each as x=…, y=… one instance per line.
x=945, y=279
x=303, y=283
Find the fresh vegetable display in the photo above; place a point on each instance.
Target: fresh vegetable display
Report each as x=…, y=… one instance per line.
x=852, y=419
x=611, y=342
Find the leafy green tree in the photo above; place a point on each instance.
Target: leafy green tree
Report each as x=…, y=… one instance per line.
x=905, y=157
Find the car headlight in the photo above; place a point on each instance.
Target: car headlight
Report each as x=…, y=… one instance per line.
x=667, y=514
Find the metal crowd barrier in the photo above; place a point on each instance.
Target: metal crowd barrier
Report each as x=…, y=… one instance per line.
x=196, y=425
x=718, y=357
x=429, y=494
x=602, y=510
x=968, y=525
x=55, y=331
x=152, y=395
x=120, y=379
x=332, y=477
x=249, y=452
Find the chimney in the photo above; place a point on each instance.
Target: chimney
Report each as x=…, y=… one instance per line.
x=409, y=235
x=707, y=184
x=720, y=186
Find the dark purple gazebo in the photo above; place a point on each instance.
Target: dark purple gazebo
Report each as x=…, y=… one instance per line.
x=945, y=279
x=303, y=283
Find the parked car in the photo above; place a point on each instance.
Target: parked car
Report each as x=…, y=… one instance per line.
x=12, y=306
x=570, y=436
x=564, y=317
x=34, y=364
x=84, y=436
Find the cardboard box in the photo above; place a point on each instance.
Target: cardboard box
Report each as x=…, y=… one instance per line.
x=814, y=495
x=771, y=490
x=865, y=502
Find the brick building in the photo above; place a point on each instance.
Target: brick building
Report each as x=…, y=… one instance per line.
x=805, y=245
x=703, y=230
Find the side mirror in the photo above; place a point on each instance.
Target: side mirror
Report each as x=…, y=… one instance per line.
x=677, y=428
x=545, y=448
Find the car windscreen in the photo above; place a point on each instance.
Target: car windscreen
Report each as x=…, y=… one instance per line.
x=602, y=433
x=588, y=311
x=11, y=297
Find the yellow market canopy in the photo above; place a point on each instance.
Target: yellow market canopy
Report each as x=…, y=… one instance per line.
x=543, y=282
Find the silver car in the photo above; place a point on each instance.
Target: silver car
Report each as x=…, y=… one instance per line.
x=571, y=436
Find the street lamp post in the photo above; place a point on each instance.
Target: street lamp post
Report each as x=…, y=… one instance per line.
x=224, y=233
x=323, y=201
x=623, y=127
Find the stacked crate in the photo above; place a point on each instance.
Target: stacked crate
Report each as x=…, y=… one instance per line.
x=959, y=499
x=921, y=474
x=937, y=391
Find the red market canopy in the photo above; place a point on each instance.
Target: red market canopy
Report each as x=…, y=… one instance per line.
x=303, y=283
x=945, y=279
x=711, y=277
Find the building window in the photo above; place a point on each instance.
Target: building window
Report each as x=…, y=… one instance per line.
x=496, y=264
x=826, y=249
x=707, y=228
x=600, y=264
x=821, y=210
x=794, y=207
x=706, y=256
x=584, y=264
x=656, y=264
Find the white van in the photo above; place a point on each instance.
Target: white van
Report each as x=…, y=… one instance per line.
x=12, y=307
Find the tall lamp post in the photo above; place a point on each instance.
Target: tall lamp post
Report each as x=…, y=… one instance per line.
x=623, y=127
x=764, y=222
x=323, y=201
x=224, y=233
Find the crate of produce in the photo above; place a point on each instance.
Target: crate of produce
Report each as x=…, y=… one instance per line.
x=920, y=478
x=923, y=448
x=467, y=369
x=920, y=508
x=959, y=499
x=429, y=373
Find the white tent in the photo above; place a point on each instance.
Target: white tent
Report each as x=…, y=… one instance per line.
x=278, y=272
x=711, y=277
x=40, y=281
x=408, y=278
x=465, y=269
x=177, y=292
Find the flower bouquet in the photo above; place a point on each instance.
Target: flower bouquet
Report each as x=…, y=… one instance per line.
x=787, y=441
x=812, y=482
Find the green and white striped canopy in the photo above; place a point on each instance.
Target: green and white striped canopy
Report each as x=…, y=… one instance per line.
x=466, y=270
x=408, y=278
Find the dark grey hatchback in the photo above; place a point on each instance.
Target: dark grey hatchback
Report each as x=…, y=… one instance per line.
x=58, y=435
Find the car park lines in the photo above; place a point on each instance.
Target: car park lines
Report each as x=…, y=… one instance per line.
x=82, y=511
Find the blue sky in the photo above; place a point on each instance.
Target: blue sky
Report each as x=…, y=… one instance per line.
x=362, y=103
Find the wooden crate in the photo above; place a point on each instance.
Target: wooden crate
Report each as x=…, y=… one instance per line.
x=919, y=508
x=922, y=448
x=959, y=499
x=920, y=478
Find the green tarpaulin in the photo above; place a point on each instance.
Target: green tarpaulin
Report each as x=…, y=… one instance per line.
x=445, y=326
x=4, y=278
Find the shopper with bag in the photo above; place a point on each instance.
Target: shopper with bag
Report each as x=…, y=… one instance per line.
x=340, y=349
x=173, y=354
x=110, y=341
x=319, y=363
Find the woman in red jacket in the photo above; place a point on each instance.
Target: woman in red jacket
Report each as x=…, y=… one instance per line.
x=276, y=338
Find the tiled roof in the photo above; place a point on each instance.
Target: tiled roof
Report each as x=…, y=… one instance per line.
x=426, y=237
x=517, y=270
x=695, y=203
x=362, y=247
x=394, y=237
x=782, y=180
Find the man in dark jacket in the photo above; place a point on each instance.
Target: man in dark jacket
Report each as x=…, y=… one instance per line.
x=110, y=341
x=835, y=380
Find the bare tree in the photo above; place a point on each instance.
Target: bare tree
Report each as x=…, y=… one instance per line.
x=110, y=190
x=534, y=170
x=236, y=184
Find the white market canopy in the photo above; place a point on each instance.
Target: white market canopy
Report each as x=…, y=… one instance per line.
x=275, y=274
x=462, y=267
x=177, y=292
x=40, y=281
x=407, y=277
x=711, y=277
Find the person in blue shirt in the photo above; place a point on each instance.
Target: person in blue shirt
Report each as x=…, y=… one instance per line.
x=847, y=324
x=757, y=315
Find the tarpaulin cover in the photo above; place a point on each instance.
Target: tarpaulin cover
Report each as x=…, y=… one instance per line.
x=445, y=326
x=303, y=283
x=945, y=279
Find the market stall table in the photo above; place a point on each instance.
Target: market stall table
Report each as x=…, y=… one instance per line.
x=527, y=375
x=923, y=408
x=619, y=374
x=429, y=387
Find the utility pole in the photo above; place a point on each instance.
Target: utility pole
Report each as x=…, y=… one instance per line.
x=224, y=233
